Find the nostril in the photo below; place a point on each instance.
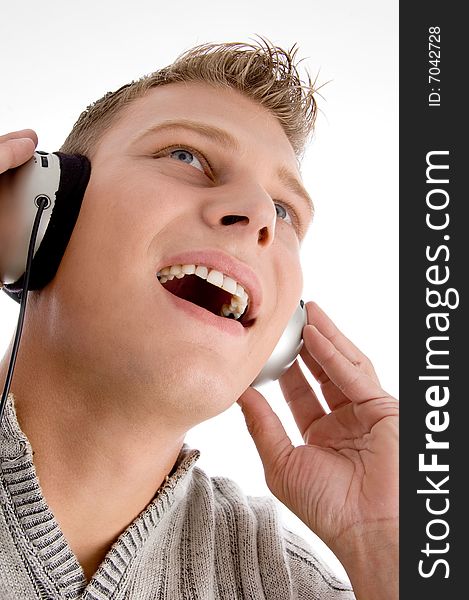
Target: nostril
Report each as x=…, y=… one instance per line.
x=263, y=234
x=232, y=219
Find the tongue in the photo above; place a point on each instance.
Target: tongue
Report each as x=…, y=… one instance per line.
x=196, y=290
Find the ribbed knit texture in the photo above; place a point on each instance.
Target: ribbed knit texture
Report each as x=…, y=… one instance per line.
x=200, y=538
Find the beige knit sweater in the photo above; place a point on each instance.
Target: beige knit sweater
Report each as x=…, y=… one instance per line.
x=200, y=538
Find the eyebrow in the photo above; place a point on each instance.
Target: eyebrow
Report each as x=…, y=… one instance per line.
x=212, y=133
x=229, y=142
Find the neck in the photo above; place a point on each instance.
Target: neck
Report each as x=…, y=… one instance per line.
x=100, y=454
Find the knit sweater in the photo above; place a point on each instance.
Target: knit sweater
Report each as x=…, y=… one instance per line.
x=199, y=538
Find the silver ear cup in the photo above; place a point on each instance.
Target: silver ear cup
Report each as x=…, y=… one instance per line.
x=22, y=188
x=287, y=348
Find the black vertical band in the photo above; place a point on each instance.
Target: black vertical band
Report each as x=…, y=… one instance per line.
x=433, y=294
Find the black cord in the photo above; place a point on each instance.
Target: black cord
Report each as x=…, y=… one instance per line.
x=42, y=202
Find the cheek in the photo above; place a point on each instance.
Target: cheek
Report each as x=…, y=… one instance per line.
x=284, y=295
x=290, y=292
x=290, y=280
x=140, y=204
x=120, y=215
x=289, y=283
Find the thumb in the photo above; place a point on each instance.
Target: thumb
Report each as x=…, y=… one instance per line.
x=271, y=440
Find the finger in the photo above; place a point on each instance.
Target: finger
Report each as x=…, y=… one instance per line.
x=300, y=397
x=271, y=440
x=22, y=133
x=15, y=151
x=318, y=318
x=332, y=395
x=313, y=365
x=352, y=382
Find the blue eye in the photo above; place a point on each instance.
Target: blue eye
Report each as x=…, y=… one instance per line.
x=282, y=213
x=187, y=157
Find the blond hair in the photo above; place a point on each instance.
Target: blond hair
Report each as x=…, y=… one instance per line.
x=263, y=72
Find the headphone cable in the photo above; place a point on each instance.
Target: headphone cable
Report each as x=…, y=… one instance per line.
x=42, y=202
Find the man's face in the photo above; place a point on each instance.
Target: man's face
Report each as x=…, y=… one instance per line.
x=188, y=175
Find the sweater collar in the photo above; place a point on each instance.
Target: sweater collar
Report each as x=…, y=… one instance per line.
x=41, y=531
x=13, y=442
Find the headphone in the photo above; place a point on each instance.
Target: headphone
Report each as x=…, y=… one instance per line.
x=46, y=193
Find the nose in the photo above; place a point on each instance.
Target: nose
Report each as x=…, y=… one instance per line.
x=243, y=210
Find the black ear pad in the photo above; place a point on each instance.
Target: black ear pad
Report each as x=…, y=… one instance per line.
x=75, y=171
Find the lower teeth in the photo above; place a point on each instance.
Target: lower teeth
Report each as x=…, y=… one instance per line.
x=228, y=312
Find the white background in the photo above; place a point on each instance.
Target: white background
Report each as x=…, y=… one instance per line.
x=57, y=57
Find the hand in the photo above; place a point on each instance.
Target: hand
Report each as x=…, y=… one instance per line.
x=16, y=148
x=343, y=482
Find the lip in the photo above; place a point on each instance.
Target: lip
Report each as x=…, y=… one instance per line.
x=229, y=326
x=227, y=264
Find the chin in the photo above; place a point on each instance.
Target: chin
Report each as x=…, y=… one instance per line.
x=199, y=392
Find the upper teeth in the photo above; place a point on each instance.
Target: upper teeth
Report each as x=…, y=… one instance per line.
x=239, y=297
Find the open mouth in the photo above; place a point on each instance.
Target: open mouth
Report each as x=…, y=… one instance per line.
x=208, y=288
